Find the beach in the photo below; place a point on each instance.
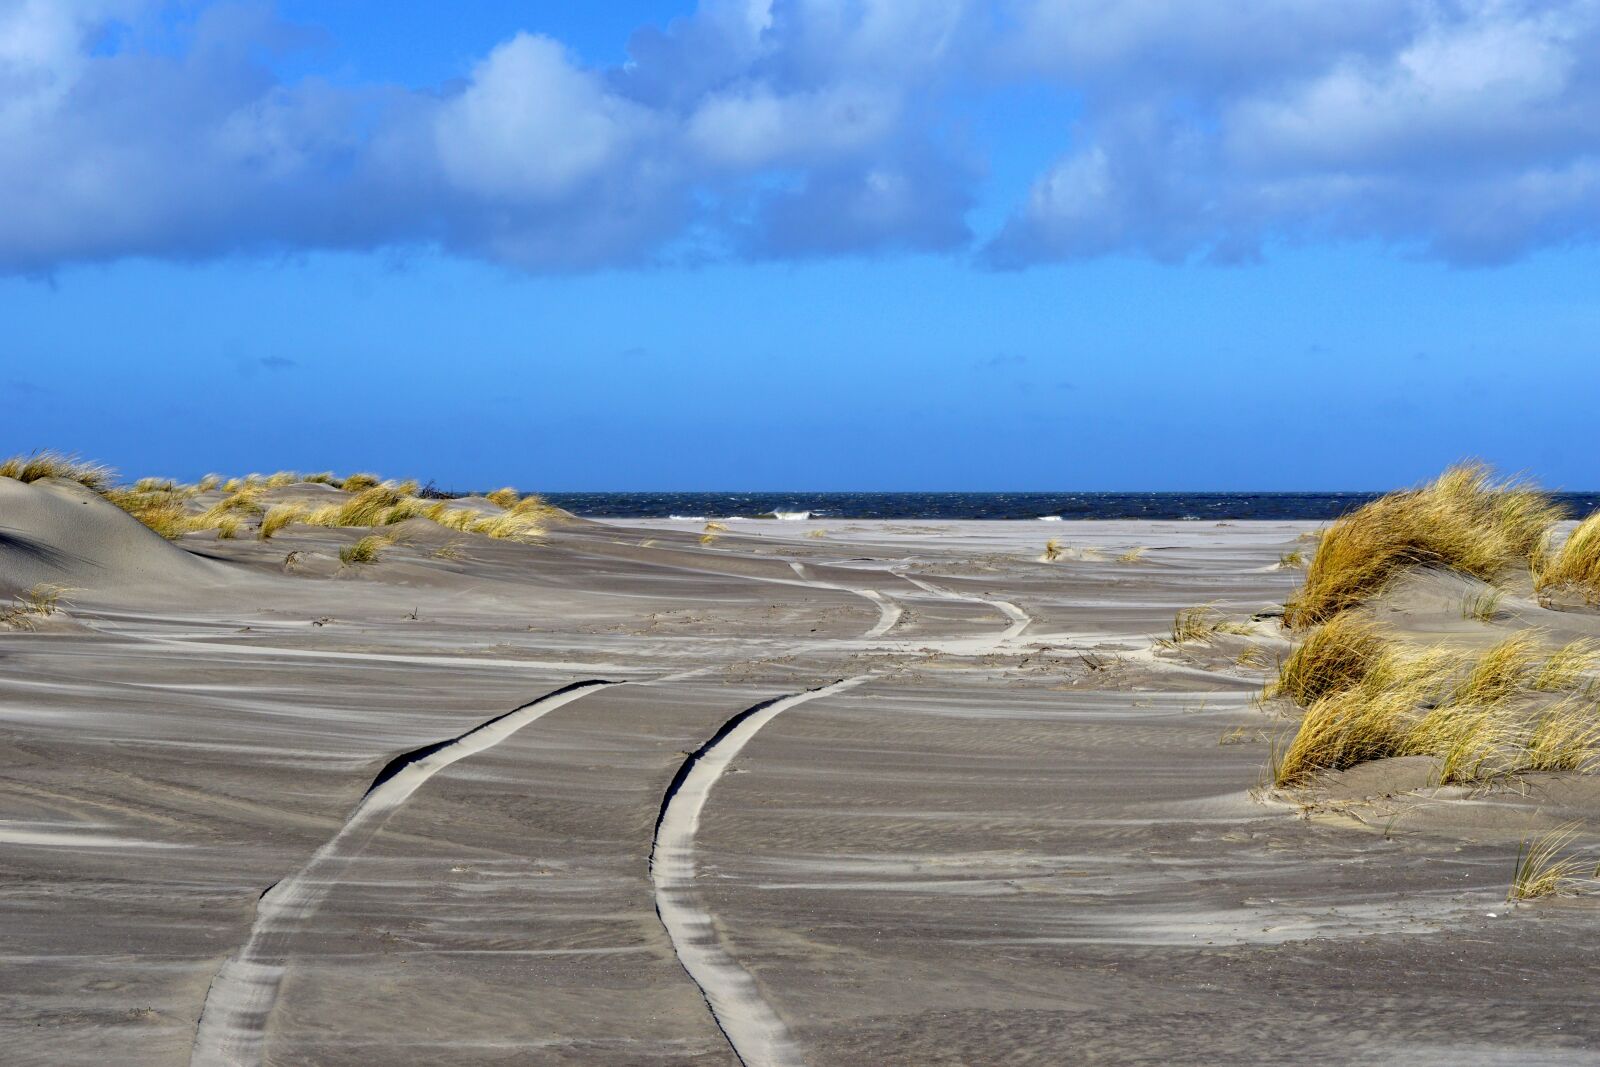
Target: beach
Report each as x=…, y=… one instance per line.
x=781, y=792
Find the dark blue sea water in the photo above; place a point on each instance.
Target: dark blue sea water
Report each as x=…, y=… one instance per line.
x=1192, y=506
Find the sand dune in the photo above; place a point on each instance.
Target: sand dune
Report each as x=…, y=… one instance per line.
x=256, y=813
x=59, y=533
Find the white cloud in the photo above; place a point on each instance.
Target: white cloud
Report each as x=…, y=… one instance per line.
x=782, y=128
x=531, y=125
x=1469, y=129
x=752, y=126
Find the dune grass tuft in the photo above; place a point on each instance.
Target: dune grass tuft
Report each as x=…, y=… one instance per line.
x=1371, y=697
x=1133, y=555
x=39, y=602
x=1483, y=605
x=365, y=550
x=1200, y=623
x=505, y=496
x=356, y=483
x=50, y=464
x=1334, y=657
x=1292, y=560
x=1565, y=737
x=510, y=526
x=1052, y=550
x=1568, y=667
x=1576, y=565
x=279, y=516
x=1505, y=669
x=1465, y=520
x=1545, y=868
x=161, y=509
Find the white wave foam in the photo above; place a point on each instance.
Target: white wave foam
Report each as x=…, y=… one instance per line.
x=792, y=516
x=1049, y=518
x=687, y=518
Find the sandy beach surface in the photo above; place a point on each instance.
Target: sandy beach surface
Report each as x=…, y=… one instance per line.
x=899, y=793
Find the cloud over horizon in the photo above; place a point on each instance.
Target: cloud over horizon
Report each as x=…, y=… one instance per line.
x=1468, y=130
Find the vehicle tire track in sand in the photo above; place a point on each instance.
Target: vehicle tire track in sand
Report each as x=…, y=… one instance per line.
x=1020, y=620
x=753, y=1029
x=232, y=1027
x=889, y=611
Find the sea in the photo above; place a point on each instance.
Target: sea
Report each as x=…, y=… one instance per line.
x=1044, y=507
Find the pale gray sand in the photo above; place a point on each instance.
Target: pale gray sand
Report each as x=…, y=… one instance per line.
x=1019, y=841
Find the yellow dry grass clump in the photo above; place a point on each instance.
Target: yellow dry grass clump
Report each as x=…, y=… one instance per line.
x=1372, y=697
x=163, y=505
x=41, y=601
x=1336, y=656
x=1576, y=565
x=1200, y=623
x=365, y=550
x=1544, y=867
x=1465, y=520
x=48, y=464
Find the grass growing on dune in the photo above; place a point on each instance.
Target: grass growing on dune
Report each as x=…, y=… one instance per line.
x=164, y=506
x=365, y=550
x=41, y=601
x=1544, y=869
x=49, y=464
x=506, y=497
x=1576, y=565
x=1483, y=605
x=1335, y=656
x=1052, y=550
x=279, y=516
x=1568, y=667
x=1502, y=671
x=1372, y=697
x=1200, y=623
x=1465, y=520
x=356, y=483
x=1133, y=555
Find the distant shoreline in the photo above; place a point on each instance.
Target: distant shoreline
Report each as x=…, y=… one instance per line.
x=1164, y=506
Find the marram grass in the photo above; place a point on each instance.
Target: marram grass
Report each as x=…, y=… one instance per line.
x=1576, y=565
x=365, y=550
x=1546, y=868
x=1480, y=714
x=49, y=464
x=1465, y=520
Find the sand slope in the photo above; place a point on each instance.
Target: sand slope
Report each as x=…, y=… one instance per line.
x=59, y=533
x=1030, y=837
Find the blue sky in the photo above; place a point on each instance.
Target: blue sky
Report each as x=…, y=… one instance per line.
x=1031, y=244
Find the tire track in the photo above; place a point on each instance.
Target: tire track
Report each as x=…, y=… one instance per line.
x=753, y=1029
x=232, y=1027
x=889, y=611
x=1020, y=620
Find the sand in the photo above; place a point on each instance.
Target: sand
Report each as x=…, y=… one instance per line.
x=605, y=801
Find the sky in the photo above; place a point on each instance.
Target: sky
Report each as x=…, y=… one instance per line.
x=794, y=244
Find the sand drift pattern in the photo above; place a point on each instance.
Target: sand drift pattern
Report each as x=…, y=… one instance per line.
x=756, y=1033
x=233, y=1021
